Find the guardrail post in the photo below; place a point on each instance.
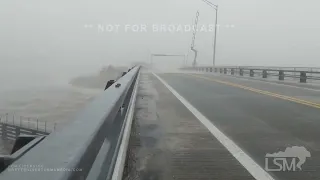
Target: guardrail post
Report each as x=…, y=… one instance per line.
x=241, y=72
x=264, y=74
x=303, y=77
x=232, y=71
x=251, y=73
x=17, y=131
x=225, y=70
x=221, y=70
x=211, y=69
x=281, y=75
x=4, y=131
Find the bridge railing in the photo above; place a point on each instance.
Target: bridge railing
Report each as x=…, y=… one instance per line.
x=33, y=124
x=88, y=147
x=10, y=132
x=304, y=74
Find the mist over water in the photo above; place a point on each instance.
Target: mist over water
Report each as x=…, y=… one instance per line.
x=43, y=98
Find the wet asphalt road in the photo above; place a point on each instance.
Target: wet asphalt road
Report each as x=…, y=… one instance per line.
x=258, y=123
x=168, y=142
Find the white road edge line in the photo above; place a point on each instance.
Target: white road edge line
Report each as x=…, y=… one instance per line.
x=121, y=158
x=247, y=162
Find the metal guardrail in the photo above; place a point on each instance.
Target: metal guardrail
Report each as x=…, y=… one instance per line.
x=86, y=148
x=301, y=73
x=21, y=146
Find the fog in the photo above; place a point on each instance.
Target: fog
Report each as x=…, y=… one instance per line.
x=56, y=40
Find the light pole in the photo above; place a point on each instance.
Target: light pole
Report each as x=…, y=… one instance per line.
x=215, y=7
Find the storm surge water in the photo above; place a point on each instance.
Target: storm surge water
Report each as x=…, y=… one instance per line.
x=43, y=99
x=47, y=103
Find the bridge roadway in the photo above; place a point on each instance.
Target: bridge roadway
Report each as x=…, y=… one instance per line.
x=218, y=127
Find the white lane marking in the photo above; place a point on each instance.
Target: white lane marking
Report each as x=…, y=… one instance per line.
x=247, y=162
x=119, y=166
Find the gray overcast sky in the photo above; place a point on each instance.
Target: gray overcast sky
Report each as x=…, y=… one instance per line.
x=50, y=36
